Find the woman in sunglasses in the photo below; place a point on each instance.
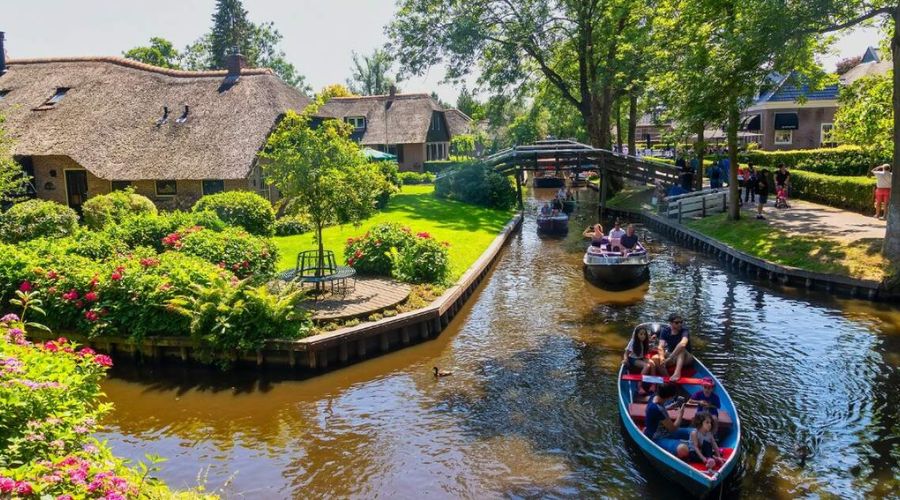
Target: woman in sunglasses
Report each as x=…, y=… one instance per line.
x=678, y=345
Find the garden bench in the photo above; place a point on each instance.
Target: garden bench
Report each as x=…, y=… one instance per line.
x=339, y=279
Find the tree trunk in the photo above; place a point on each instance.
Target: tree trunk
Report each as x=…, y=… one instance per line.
x=891, y=249
x=619, y=124
x=604, y=112
x=320, y=265
x=734, y=116
x=700, y=151
x=632, y=122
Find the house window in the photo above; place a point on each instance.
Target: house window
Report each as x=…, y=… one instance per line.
x=213, y=186
x=358, y=122
x=435, y=151
x=435, y=122
x=119, y=185
x=54, y=100
x=166, y=188
x=3, y=93
x=826, y=137
x=784, y=136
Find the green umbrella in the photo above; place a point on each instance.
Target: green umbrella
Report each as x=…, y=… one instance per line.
x=374, y=154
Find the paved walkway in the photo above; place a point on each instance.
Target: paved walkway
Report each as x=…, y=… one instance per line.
x=808, y=218
x=371, y=295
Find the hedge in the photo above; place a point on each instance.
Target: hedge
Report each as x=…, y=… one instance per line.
x=438, y=166
x=241, y=208
x=36, y=218
x=112, y=208
x=850, y=192
x=842, y=160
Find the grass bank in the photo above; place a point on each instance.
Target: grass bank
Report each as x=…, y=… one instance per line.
x=857, y=259
x=468, y=228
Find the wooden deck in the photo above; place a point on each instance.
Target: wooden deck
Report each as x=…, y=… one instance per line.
x=371, y=295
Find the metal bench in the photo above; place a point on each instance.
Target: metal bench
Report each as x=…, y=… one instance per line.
x=322, y=270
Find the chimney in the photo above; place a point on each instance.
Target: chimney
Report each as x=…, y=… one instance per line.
x=393, y=91
x=235, y=62
x=2, y=53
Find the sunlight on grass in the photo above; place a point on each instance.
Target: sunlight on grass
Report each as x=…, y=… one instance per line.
x=857, y=259
x=632, y=198
x=468, y=228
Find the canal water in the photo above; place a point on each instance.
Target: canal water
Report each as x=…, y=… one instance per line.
x=530, y=410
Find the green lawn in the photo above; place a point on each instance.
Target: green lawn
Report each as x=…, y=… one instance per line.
x=468, y=228
x=858, y=259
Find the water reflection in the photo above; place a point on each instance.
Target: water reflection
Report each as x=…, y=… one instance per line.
x=530, y=409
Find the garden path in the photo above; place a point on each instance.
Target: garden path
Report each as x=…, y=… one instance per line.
x=809, y=218
x=370, y=295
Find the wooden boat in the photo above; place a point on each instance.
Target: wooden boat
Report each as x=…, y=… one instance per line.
x=548, y=178
x=692, y=476
x=555, y=224
x=568, y=206
x=608, y=265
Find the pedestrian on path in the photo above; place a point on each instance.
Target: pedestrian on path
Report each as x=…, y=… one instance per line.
x=762, y=192
x=750, y=181
x=715, y=175
x=883, y=179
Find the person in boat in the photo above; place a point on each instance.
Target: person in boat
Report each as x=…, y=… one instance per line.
x=616, y=231
x=638, y=350
x=630, y=240
x=702, y=446
x=708, y=401
x=678, y=345
x=595, y=233
x=561, y=194
x=660, y=428
x=546, y=210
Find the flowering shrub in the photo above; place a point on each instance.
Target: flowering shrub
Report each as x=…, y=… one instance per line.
x=424, y=261
x=370, y=253
x=240, y=208
x=102, y=210
x=36, y=218
x=233, y=249
x=149, y=230
x=293, y=224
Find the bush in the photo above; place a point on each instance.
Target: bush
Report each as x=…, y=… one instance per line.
x=438, y=166
x=293, y=224
x=842, y=160
x=410, y=178
x=370, y=253
x=853, y=193
x=390, y=184
x=149, y=230
x=241, y=208
x=35, y=218
x=94, y=245
x=424, y=261
x=112, y=208
x=477, y=184
x=233, y=249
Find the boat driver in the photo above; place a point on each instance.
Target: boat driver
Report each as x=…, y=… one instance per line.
x=678, y=345
x=630, y=240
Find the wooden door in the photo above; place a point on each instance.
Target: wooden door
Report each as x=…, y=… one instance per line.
x=76, y=188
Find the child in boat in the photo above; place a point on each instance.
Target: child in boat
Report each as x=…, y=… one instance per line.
x=702, y=444
x=708, y=401
x=637, y=350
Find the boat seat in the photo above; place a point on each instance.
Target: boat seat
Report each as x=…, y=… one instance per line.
x=726, y=453
x=686, y=372
x=638, y=412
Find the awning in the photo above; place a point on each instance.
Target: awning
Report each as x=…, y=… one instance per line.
x=752, y=123
x=375, y=155
x=786, y=121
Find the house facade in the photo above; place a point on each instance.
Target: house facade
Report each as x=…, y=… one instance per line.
x=413, y=127
x=87, y=126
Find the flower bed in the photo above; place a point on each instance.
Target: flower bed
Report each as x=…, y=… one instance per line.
x=392, y=250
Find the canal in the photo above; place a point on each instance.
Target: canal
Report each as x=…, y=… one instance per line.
x=530, y=409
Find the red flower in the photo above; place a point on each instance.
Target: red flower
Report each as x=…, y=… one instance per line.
x=86, y=351
x=51, y=346
x=351, y=261
x=423, y=234
x=93, y=283
x=103, y=360
x=149, y=262
x=91, y=315
x=70, y=295
x=222, y=265
x=62, y=340
x=52, y=290
x=25, y=286
x=173, y=240
x=91, y=296
x=52, y=275
x=245, y=264
x=358, y=254
x=23, y=489
x=79, y=304
x=115, y=276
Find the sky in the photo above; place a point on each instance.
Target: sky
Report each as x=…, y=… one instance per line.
x=320, y=36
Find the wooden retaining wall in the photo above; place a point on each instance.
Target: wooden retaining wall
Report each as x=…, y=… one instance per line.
x=760, y=268
x=330, y=349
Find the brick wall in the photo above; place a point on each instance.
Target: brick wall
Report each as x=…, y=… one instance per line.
x=413, y=157
x=50, y=178
x=808, y=133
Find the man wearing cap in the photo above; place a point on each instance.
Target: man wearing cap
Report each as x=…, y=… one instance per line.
x=708, y=401
x=678, y=344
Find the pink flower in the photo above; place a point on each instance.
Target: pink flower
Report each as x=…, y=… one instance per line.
x=64, y=497
x=103, y=360
x=62, y=340
x=7, y=485
x=25, y=286
x=91, y=296
x=51, y=346
x=9, y=318
x=149, y=262
x=91, y=315
x=70, y=295
x=423, y=234
x=115, y=276
x=79, y=304
x=52, y=275
x=23, y=488
x=52, y=290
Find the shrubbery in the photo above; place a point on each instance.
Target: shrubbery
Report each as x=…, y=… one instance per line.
x=101, y=210
x=149, y=230
x=851, y=192
x=290, y=225
x=842, y=160
x=477, y=184
x=35, y=218
x=240, y=208
x=392, y=250
x=232, y=248
x=410, y=178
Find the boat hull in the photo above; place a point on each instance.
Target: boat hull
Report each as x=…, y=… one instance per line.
x=549, y=182
x=693, y=480
x=555, y=225
x=618, y=274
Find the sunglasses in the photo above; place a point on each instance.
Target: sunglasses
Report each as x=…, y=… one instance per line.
x=677, y=322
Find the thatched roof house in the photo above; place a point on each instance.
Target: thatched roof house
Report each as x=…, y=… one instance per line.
x=412, y=126
x=88, y=125
x=459, y=122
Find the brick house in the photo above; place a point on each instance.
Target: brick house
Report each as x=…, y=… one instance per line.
x=413, y=127
x=85, y=126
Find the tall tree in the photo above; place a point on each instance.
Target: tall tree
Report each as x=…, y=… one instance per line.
x=468, y=104
x=231, y=31
x=369, y=74
x=572, y=44
x=159, y=53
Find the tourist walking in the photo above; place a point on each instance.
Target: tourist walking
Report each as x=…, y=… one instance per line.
x=762, y=192
x=750, y=182
x=715, y=175
x=883, y=179
x=687, y=174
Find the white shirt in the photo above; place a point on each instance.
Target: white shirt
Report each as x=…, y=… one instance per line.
x=883, y=179
x=616, y=233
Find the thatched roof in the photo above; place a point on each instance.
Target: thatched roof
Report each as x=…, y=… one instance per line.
x=459, y=122
x=406, y=121
x=107, y=120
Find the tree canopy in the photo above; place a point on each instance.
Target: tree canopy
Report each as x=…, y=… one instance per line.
x=160, y=53
x=369, y=74
x=865, y=114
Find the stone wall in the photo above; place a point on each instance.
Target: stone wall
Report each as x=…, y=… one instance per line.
x=50, y=178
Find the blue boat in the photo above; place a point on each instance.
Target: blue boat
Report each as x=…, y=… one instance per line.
x=692, y=476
